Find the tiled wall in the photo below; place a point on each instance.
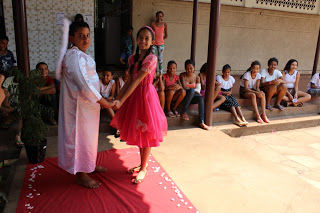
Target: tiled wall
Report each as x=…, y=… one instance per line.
x=43, y=32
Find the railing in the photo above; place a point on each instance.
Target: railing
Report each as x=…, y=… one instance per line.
x=296, y=6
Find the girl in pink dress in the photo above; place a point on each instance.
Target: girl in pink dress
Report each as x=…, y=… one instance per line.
x=140, y=118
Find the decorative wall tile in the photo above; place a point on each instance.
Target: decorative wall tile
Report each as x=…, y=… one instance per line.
x=45, y=4
x=60, y=5
x=44, y=35
x=31, y=4
x=46, y=20
x=74, y=5
x=32, y=19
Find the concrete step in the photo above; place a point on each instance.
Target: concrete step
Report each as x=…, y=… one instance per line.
x=282, y=123
x=219, y=117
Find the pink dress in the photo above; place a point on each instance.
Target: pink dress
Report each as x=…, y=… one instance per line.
x=140, y=119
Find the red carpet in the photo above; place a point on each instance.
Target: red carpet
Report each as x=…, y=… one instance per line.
x=47, y=188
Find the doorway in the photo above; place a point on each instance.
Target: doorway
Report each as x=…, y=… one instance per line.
x=113, y=17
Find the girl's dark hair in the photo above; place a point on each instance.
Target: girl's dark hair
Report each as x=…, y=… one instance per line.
x=251, y=66
x=226, y=67
x=172, y=62
x=136, y=56
x=272, y=60
x=204, y=68
x=40, y=63
x=75, y=26
x=187, y=62
x=157, y=13
x=288, y=65
x=78, y=16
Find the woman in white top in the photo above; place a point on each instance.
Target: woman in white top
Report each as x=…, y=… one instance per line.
x=230, y=104
x=293, y=97
x=250, y=88
x=272, y=84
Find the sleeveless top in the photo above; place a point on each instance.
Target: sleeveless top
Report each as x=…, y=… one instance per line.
x=167, y=81
x=290, y=79
x=158, y=34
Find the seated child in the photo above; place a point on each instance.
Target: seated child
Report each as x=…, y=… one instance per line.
x=217, y=98
x=173, y=89
x=250, y=89
x=48, y=93
x=272, y=84
x=231, y=104
x=121, y=81
x=107, y=89
x=191, y=82
x=314, y=85
x=293, y=96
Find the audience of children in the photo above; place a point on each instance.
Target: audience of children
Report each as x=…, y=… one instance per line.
x=231, y=104
x=272, y=84
x=191, y=83
x=173, y=90
x=293, y=96
x=218, y=99
x=250, y=89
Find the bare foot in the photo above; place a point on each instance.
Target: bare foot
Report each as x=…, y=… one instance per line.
x=83, y=179
x=140, y=177
x=100, y=169
x=134, y=169
x=204, y=126
x=265, y=119
x=259, y=120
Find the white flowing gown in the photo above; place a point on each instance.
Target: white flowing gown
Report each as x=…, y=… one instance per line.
x=79, y=113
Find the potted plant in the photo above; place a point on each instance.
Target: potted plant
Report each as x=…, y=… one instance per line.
x=26, y=94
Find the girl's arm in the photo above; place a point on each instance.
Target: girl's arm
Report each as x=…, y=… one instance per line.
x=117, y=86
x=203, y=86
x=132, y=86
x=313, y=86
x=124, y=88
x=246, y=86
x=113, y=89
x=165, y=31
x=296, y=85
x=183, y=83
x=258, y=85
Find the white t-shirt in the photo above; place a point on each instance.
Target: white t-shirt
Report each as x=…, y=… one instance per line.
x=315, y=80
x=105, y=90
x=267, y=78
x=226, y=84
x=252, y=82
x=290, y=79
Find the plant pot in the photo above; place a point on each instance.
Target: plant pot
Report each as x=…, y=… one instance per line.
x=36, y=153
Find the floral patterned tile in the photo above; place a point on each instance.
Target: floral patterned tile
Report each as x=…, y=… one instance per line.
x=45, y=4
x=31, y=4
x=46, y=20
x=60, y=5
x=32, y=19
